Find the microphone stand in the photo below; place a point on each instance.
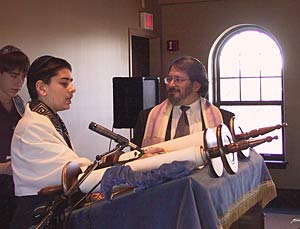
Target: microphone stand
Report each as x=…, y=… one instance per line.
x=97, y=164
x=100, y=163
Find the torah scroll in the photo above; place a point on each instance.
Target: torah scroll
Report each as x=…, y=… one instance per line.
x=187, y=148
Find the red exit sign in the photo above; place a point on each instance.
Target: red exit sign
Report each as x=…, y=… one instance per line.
x=146, y=20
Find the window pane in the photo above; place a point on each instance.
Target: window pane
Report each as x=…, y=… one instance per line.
x=230, y=90
x=229, y=65
x=250, y=64
x=255, y=117
x=250, y=89
x=271, y=64
x=271, y=89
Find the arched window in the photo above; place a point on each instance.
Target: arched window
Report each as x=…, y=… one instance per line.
x=246, y=77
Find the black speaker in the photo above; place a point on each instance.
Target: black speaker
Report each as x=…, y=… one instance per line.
x=130, y=96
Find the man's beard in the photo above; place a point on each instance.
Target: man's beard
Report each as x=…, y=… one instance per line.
x=176, y=100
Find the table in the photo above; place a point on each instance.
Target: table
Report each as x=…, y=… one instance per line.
x=196, y=201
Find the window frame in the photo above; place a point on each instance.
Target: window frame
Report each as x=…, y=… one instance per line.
x=214, y=79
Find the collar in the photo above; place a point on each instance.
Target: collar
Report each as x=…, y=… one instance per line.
x=42, y=109
x=194, y=107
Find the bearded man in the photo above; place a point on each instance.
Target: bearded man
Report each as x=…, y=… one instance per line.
x=187, y=87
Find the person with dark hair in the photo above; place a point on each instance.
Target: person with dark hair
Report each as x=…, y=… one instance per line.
x=41, y=144
x=185, y=111
x=14, y=65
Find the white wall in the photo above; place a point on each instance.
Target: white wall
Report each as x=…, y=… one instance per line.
x=93, y=36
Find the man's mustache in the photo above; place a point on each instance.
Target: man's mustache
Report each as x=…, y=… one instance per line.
x=173, y=89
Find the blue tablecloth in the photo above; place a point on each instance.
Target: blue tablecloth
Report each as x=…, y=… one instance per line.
x=196, y=201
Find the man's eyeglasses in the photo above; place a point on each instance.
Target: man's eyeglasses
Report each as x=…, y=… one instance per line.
x=176, y=80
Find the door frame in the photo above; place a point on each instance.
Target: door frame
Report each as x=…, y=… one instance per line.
x=140, y=33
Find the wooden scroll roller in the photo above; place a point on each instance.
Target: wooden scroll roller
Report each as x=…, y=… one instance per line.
x=227, y=149
x=238, y=134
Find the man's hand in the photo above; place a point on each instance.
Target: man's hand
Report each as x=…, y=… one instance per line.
x=5, y=168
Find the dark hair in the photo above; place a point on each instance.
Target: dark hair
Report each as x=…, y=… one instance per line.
x=194, y=69
x=44, y=68
x=12, y=58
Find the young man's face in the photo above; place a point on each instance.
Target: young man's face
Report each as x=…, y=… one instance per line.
x=58, y=93
x=183, y=92
x=11, y=83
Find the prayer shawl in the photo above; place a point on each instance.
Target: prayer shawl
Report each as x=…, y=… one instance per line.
x=19, y=104
x=158, y=118
x=38, y=152
x=58, y=123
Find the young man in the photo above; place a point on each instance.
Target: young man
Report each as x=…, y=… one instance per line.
x=14, y=65
x=41, y=145
x=187, y=85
